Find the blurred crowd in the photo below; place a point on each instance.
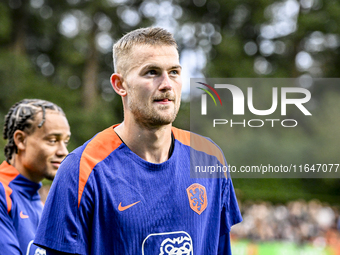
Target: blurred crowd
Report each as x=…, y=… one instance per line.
x=296, y=221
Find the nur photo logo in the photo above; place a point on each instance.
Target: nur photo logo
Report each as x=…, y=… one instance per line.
x=204, y=97
x=266, y=127
x=277, y=98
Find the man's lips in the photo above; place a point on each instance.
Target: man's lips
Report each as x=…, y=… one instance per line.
x=165, y=100
x=56, y=164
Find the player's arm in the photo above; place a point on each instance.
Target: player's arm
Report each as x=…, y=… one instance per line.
x=9, y=241
x=64, y=227
x=230, y=216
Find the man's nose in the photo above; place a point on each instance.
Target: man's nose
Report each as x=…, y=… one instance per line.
x=165, y=82
x=62, y=149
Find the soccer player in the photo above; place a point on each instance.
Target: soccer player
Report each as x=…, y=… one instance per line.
x=37, y=132
x=128, y=190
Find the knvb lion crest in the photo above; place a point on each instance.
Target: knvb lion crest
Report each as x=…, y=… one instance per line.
x=181, y=245
x=197, y=196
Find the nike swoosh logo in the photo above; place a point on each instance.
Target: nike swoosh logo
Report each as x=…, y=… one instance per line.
x=123, y=208
x=23, y=216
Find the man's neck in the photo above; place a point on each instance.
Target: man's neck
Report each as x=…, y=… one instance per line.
x=151, y=144
x=17, y=163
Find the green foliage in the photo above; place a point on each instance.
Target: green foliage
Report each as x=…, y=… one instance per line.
x=32, y=39
x=5, y=21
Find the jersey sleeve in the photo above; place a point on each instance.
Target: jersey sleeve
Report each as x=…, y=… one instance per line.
x=230, y=214
x=9, y=241
x=224, y=247
x=64, y=227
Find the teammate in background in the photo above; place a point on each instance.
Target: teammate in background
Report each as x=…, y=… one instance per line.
x=128, y=190
x=37, y=132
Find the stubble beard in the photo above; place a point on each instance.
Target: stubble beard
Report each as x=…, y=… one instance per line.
x=50, y=175
x=150, y=115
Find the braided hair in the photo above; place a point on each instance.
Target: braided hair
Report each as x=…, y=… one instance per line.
x=21, y=116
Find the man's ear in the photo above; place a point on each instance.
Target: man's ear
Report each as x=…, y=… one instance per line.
x=117, y=84
x=19, y=138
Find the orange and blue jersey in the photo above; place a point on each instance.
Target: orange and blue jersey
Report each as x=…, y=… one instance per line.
x=107, y=200
x=20, y=212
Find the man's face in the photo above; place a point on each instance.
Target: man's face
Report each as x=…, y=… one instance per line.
x=45, y=148
x=153, y=84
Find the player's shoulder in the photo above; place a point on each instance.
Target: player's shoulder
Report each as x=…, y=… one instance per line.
x=101, y=145
x=87, y=156
x=7, y=174
x=3, y=191
x=187, y=137
x=5, y=201
x=198, y=143
x=95, y=150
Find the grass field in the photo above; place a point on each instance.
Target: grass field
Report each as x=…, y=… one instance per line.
x=244, y=247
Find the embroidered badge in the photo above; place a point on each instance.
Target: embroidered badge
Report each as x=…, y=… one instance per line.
x=197, y=196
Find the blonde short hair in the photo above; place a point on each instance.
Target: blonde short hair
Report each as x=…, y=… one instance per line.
x=153, y=36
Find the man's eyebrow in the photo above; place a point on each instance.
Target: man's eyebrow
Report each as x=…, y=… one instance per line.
x=176, y=67
x=148, y=67
x=57, y=135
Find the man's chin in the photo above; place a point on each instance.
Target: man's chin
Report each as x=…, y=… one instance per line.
x=167, y=116
x=156, y=118
x=162, y=121
x=51, y=175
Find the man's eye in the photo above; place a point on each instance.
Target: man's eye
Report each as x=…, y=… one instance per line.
x=174, y=72
x=151, y=72
x=53, y=141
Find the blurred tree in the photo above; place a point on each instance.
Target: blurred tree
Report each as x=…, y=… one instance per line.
x=61, y=51
x=285, y=39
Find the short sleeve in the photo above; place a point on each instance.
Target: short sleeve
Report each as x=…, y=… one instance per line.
x=224, y=247
x=9, y=241
x=230, y=214
x=63, y=227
